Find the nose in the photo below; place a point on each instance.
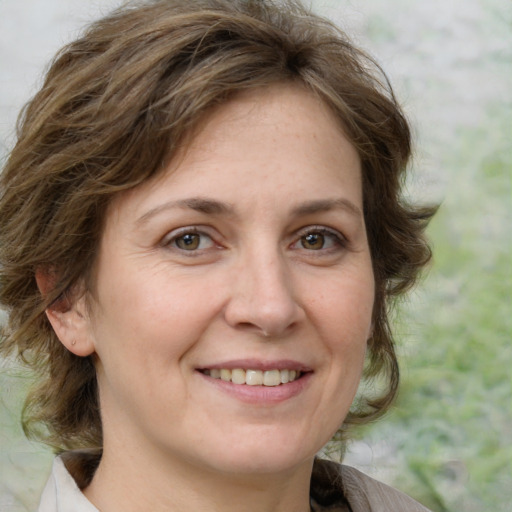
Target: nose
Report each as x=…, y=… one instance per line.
x=263, y=299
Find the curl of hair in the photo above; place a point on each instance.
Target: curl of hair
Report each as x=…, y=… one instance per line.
x=115, y=106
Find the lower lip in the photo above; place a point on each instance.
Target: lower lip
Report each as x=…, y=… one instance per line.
x=264, y=395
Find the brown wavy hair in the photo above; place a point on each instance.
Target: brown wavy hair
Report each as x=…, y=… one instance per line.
x=115, y=106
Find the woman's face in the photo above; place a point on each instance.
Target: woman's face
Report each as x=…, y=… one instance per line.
x=245, y=261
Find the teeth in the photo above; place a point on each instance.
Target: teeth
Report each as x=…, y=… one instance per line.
x=272, y=378
x=238, y=376
x=254, y=377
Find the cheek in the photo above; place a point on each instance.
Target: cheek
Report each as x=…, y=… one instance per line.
x=155, y=309
x=343, y=309
x=343, y=316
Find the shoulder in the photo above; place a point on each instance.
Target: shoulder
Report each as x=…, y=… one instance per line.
x=380, y=497
x=332, y=482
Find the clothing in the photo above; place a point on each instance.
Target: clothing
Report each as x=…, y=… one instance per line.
x=61, y=494
x=339, y=488
x=334, y=488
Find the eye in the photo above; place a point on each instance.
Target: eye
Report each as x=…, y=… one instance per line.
x=313, y=241
x=188, y=240
x=319, y=238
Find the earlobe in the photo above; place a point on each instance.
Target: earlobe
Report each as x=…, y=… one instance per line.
x=68, y=316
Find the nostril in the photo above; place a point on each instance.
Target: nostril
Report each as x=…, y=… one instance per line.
x=265, y=332
x=246, y=325
x=251, y=327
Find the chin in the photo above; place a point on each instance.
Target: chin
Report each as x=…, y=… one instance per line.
x=261, y=464
x=265, y=455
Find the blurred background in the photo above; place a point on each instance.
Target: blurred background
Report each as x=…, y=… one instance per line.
x=448, y=441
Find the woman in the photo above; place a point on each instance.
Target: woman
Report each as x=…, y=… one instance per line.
x=201, y=234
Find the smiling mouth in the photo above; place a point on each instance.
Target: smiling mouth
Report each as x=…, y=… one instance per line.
x=250, y=377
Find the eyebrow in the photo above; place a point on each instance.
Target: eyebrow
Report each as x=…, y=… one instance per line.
x=324, y=205
x=199, y=204
x=214, y=207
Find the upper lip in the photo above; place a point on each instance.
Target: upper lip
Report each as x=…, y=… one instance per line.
x=258, y=364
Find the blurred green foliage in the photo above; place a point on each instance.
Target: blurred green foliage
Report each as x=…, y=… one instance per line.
x=24, y=466
x=452, y=427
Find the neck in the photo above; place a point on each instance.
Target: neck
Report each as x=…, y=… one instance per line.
x=129, y=482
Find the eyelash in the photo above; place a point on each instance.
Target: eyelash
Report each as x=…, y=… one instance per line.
x=339, y=241
x=171, y=240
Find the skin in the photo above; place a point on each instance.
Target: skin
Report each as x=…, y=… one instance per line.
x=277, y=271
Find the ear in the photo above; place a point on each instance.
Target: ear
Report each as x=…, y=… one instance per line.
x=68, y=315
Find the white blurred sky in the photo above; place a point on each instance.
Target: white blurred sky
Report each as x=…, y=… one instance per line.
x=31, y=31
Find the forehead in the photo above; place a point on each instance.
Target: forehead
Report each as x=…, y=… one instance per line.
x=265, y=115
x=282, y=136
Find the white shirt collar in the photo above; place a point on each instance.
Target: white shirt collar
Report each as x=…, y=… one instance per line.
x=61, y=494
